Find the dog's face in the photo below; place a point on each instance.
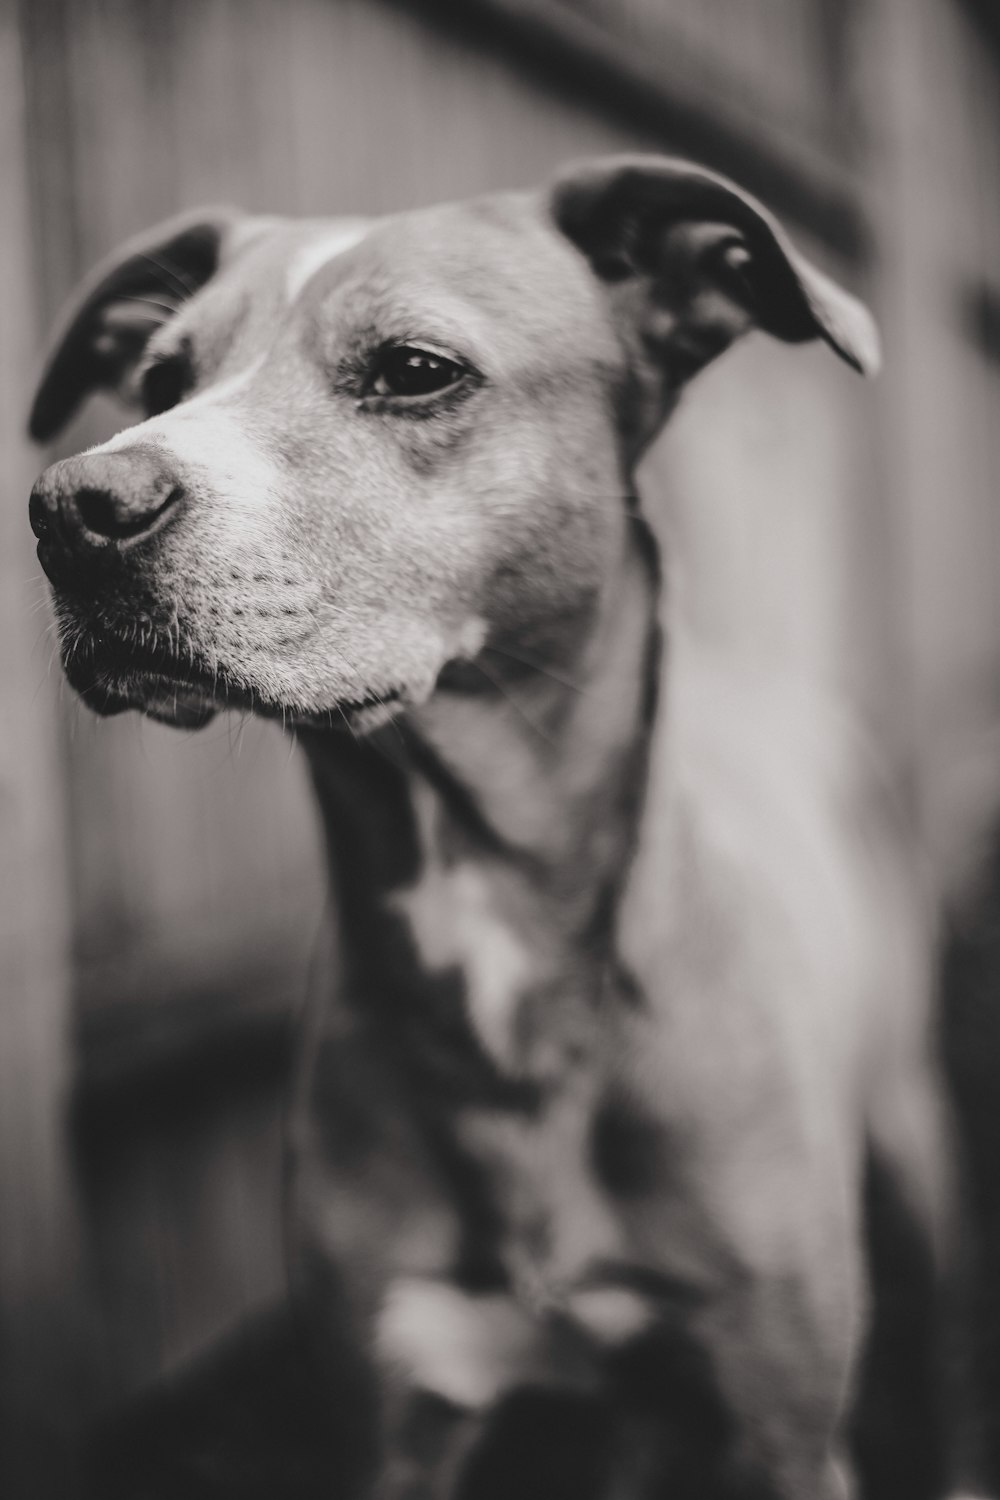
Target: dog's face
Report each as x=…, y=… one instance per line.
x=371, y=449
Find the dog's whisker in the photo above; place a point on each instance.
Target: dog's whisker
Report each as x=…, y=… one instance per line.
x=173, y=272
x=347, y=721
x=241, y=731
x=536, y=666
x=167, y=308
x=518, y=708
x=392, y=720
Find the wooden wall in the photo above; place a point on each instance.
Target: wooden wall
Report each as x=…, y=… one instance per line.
x=40, y=1305
x=934, y=166
x=161, y=894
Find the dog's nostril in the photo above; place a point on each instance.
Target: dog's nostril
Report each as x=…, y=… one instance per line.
x=105, y=513
x=98, y=511
x=38, y=516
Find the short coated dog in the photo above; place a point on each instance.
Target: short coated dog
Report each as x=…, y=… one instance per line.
x=633, y=980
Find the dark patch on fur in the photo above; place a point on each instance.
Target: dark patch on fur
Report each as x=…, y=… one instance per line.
x=424, y=1432
x=421, y=1017
x=542, y=1446
x=479, y=1265
x=365, y=800
x=629, y=1150
x=971, y=1048
x=599, y=936
x=463, y=807
x=676, y=1438
x=353, y=1099
x=899, y=1435
x=347, y=1380
x=387, y=1131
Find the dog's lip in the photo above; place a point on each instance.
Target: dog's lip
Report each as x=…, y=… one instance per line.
x=111, y=677
x=114, y=657
x=114, y=674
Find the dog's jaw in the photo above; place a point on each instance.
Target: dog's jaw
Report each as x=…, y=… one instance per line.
x=546, y=762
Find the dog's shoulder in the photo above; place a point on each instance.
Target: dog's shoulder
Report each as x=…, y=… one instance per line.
x=770, y=927
x=770, y=845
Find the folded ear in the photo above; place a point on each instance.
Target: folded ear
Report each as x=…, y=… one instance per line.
x=104, y=330
x=692, y=261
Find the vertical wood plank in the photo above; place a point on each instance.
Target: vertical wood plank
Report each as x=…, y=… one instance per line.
x=932, y=91
x=39, y=1312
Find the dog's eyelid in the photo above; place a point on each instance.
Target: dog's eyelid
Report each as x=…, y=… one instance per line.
x=436, y=348
x=413, y=371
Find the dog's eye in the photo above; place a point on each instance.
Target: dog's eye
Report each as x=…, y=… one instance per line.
x=164, y=383
x=405, y=370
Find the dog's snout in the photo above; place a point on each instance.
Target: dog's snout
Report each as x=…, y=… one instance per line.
x=103, y=501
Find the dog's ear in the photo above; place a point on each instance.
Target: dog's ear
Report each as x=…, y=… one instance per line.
x=103, y=332
x=692, y=262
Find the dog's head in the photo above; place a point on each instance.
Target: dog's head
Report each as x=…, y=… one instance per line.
x=371, y=448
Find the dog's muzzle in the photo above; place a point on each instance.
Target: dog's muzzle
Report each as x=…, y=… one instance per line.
x=97, y=518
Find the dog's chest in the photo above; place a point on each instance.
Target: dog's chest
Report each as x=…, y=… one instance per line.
x=478, y=1042
x=524, y=990
x=507, y=1010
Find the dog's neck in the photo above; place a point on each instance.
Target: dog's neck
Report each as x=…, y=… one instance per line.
x=529, y=769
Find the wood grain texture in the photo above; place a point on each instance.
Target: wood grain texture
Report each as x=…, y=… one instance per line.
x=39, y=1239
x=934, y=103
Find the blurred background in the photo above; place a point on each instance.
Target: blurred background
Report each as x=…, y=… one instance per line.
x=161, y=895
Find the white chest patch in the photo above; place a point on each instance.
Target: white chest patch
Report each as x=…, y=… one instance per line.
x=467, y=1349
x=454, y=922
x=610, y=1314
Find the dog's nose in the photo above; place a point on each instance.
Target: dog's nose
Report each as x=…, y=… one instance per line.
x=100, y=502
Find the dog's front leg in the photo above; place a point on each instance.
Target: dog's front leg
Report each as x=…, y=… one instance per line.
x=738, y=1387
x=727, y=1408
x=783, y=1374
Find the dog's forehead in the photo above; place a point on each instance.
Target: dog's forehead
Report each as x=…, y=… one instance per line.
x=496, y=265
x=307, y=250
x=493, y=278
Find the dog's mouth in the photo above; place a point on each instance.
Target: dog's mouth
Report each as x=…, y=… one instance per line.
x=113, y=675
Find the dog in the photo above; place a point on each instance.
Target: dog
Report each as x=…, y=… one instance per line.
x=633, y=971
